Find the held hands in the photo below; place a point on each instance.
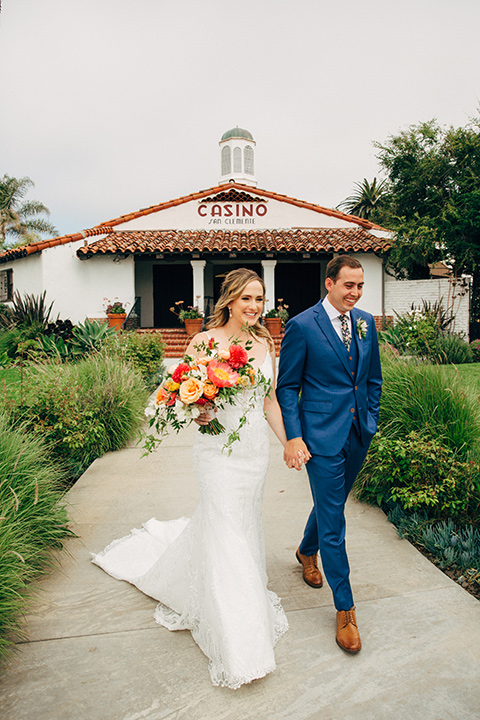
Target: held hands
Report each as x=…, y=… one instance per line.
x=296, y=453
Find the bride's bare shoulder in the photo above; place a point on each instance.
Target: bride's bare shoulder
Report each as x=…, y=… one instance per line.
x=196, y=341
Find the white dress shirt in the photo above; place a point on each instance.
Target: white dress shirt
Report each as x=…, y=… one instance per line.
x=334, y=316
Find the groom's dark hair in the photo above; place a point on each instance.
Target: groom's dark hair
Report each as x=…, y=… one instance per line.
x=335, y=265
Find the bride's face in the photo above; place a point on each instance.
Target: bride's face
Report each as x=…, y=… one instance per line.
x=248, y=307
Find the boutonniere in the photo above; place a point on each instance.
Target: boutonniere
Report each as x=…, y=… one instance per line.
x=361, y=328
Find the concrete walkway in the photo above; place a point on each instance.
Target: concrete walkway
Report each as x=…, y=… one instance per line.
x=95, y=653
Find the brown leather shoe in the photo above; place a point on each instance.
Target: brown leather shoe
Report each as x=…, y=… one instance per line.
x=348, y=637
x=311, y=573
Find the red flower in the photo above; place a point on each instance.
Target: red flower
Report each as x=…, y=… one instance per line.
x=238, y=356
x=201, y=401
x=172, y=400
x=211, y=344
x=181, y=369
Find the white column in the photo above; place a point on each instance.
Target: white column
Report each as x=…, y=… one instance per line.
x=198, y=267
x=269, y=280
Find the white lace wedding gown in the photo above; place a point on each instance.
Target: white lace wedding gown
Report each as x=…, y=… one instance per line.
x=208, y=573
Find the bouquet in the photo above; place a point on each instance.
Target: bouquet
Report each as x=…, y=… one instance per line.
x=205, y=383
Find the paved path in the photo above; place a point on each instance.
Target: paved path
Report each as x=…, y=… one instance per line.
x=95, y=653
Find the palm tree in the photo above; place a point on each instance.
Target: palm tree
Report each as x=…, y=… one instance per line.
x=366, y=200
x=21, y=219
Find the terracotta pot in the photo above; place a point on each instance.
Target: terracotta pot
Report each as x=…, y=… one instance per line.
x=193, y=326
x=273, y=325
x=116, y=320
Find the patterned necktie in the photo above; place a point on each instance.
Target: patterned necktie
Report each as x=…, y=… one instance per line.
x=346, y=337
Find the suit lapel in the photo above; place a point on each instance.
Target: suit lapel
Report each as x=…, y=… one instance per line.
x=356, y=315
x=325, y=325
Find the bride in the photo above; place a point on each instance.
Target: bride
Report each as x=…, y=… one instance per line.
x=208, y=573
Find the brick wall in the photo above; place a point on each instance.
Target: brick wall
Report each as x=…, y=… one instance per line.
x=400, y=294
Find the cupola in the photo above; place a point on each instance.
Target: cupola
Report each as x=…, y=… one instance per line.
x=237, y=156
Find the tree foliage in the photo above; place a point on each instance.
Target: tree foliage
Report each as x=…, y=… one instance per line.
x=366, y=201
x=432, y=198
x=19, y=219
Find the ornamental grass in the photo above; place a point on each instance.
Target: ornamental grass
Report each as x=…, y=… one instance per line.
x=432, y=400
x=426, y=455
x=84, y=409
x=32, y=522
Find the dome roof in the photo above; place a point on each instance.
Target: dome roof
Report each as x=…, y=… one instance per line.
x=237, y=133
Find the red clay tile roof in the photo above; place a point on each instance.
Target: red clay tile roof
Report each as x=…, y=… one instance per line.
x=227, y=188
x=186, y=241
x=222, y=192
x=15, y=253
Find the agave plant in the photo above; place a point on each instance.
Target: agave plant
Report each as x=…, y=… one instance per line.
x=90, y=336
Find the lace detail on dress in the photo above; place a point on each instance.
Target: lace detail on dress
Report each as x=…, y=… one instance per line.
x=231, y=614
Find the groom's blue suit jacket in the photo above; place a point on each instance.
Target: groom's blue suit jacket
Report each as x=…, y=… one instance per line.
x=314, y=360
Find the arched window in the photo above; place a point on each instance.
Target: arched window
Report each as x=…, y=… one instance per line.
x=226, y=160
x=248, y=160
x=237, y=160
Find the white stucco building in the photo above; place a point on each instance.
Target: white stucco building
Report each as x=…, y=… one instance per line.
x=180, y=250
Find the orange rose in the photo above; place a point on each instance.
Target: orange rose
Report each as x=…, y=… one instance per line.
x=210, y=390
x=190, y=390
x=162, y=396
x=224, y=354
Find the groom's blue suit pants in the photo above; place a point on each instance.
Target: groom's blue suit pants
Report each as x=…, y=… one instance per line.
x=331, y=479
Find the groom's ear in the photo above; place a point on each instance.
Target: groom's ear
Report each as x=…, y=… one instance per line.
x=329, y=283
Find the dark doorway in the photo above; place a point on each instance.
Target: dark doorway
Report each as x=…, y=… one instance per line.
x=298, y=284
x=170, y=283
x=219, y=272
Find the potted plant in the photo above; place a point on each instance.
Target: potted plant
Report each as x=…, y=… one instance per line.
x=116, y=314
x=276, y=318
x=191, y=317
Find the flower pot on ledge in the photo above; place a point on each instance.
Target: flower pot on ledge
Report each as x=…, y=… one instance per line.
x=193, y=326
x=116, y=320
x=273, y=325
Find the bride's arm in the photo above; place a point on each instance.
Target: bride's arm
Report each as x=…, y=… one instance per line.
x=275, y=419
x=272, y=409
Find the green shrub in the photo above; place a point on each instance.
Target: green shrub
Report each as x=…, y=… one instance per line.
x=475, y=348
x=431, y=400
x=449, y=348
x=419, y=473
x=83, y=409
x=32, y=521
x=144, y=350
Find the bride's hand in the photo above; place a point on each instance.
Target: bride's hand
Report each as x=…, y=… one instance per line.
x=203, y=419
x=205, y=416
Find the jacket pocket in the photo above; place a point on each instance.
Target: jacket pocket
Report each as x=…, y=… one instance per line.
x=316, y=407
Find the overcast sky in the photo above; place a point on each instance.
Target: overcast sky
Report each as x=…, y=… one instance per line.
x=110, y=106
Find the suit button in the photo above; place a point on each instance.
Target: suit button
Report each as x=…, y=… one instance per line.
x=356, y=388
x=350, y=358
x=353, y=373
x=352, y=409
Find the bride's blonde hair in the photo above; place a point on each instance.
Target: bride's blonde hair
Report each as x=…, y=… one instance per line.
x=233, y=285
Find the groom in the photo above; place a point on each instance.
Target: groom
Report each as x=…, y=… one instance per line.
x=330, y=355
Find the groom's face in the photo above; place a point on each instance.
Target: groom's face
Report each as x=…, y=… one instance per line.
x=346, y=290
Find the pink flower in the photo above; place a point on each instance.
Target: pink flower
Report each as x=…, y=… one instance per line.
x=221, y=374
